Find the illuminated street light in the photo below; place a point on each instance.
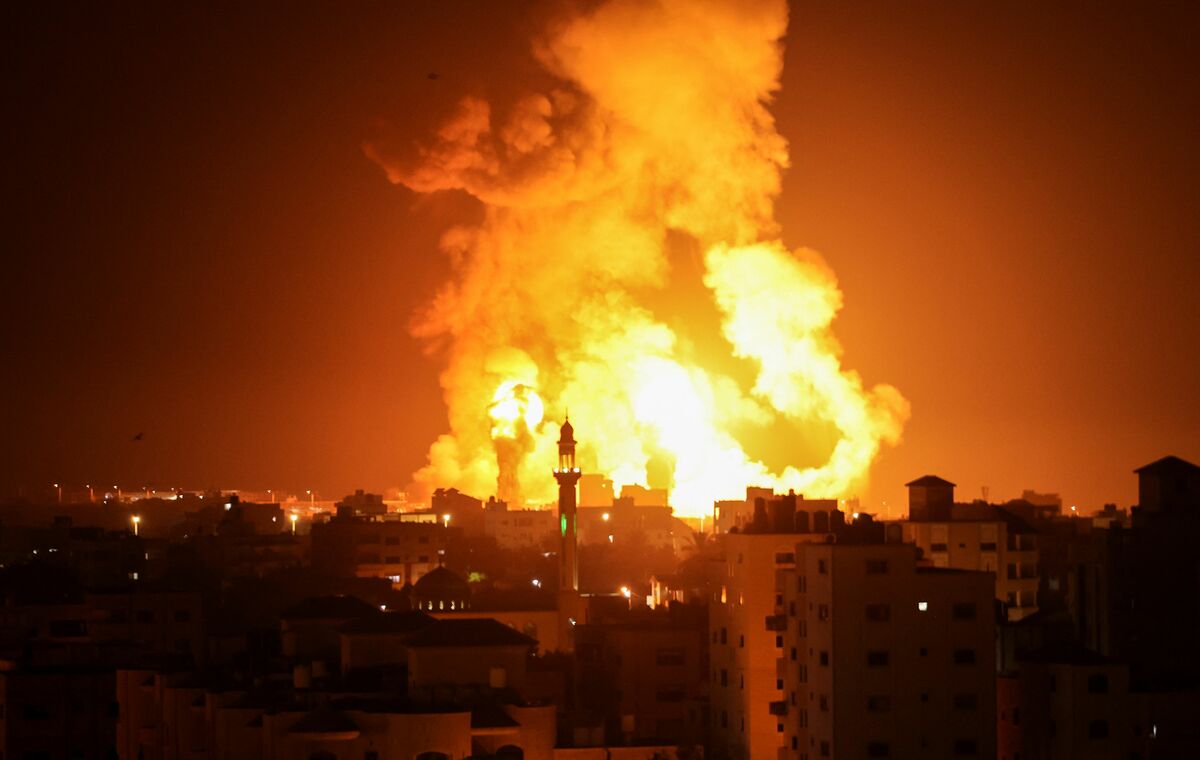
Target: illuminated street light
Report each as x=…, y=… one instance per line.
x=446, y=520
x=91, y=493
x=136, y=521
x=626, y=592
x=604, y=517
x=293, y=517
x=310, y=497
x=58, y=488
x=537, y=583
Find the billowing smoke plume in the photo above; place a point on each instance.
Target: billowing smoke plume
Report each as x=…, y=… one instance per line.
x=657, y=136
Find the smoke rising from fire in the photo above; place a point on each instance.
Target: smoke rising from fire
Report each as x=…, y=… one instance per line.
x=657, y=131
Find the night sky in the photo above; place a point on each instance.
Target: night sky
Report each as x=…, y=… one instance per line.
x=198, y=250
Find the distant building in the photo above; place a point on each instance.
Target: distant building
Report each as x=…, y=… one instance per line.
x=396, y=549
x=518, y=528
x=738, y=513
x=361, y=503
x=975, y=536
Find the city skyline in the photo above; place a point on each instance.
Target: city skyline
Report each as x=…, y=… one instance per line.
x=967, y=273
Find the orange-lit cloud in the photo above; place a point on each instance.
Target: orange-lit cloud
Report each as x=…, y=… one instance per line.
x=657, y=131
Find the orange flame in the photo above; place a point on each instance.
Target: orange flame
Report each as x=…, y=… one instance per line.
x=656, y=146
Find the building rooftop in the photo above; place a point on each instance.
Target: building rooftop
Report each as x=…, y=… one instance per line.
x=335, y=607
x=1169, y=464
x=471, y=632
x=929, y=480
x=389, y=622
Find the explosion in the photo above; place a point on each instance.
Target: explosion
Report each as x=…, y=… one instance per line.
x=628, y=268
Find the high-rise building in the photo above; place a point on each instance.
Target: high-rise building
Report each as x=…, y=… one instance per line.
x=835, y=644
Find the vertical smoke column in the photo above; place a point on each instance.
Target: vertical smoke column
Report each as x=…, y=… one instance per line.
x=567, y=475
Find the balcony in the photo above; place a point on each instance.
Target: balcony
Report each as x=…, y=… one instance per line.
x=779, y=708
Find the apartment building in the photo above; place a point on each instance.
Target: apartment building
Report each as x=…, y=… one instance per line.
x=975, y=536
x=839, y=645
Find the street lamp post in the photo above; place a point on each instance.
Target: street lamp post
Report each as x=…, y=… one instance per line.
x=58, y=489
x=293, y=517
x=136, y=521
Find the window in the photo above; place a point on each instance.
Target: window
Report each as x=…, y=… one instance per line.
x=879, y=613
x=724, y=635
x=785, y=558
x=878, y=659
x=922, y=606
x=824, y=749
x=963, y=611
x=824, y=658
x=1097, y=683
x=1098, y=729
x=803, y=674
x=391, y=541
x=779, y=641
x=964, y=656
x=987, y=546
x=742, y=641
x=878, y=749
x=724, y=719
x=1012, y=571
x=724, y=677
x=877, y=566
x=879, y=704
x=822, y=568
x=671, y=694
x=938, y=547
x=822, y=612
x=966, y=702
x=823, y=703
x=671, y=657
x=966, y=747
x=793, y=654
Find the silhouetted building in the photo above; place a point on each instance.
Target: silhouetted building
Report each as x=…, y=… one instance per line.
x=1064, y=701
x=1157, y=569
x=975, y=536
x=361, y=503
x=828, y=648
x=401, y=551
x=441, y=590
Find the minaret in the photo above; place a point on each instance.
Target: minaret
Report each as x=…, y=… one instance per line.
x=567, y=475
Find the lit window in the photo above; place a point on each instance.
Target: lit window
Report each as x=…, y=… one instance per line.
x=922, y=606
